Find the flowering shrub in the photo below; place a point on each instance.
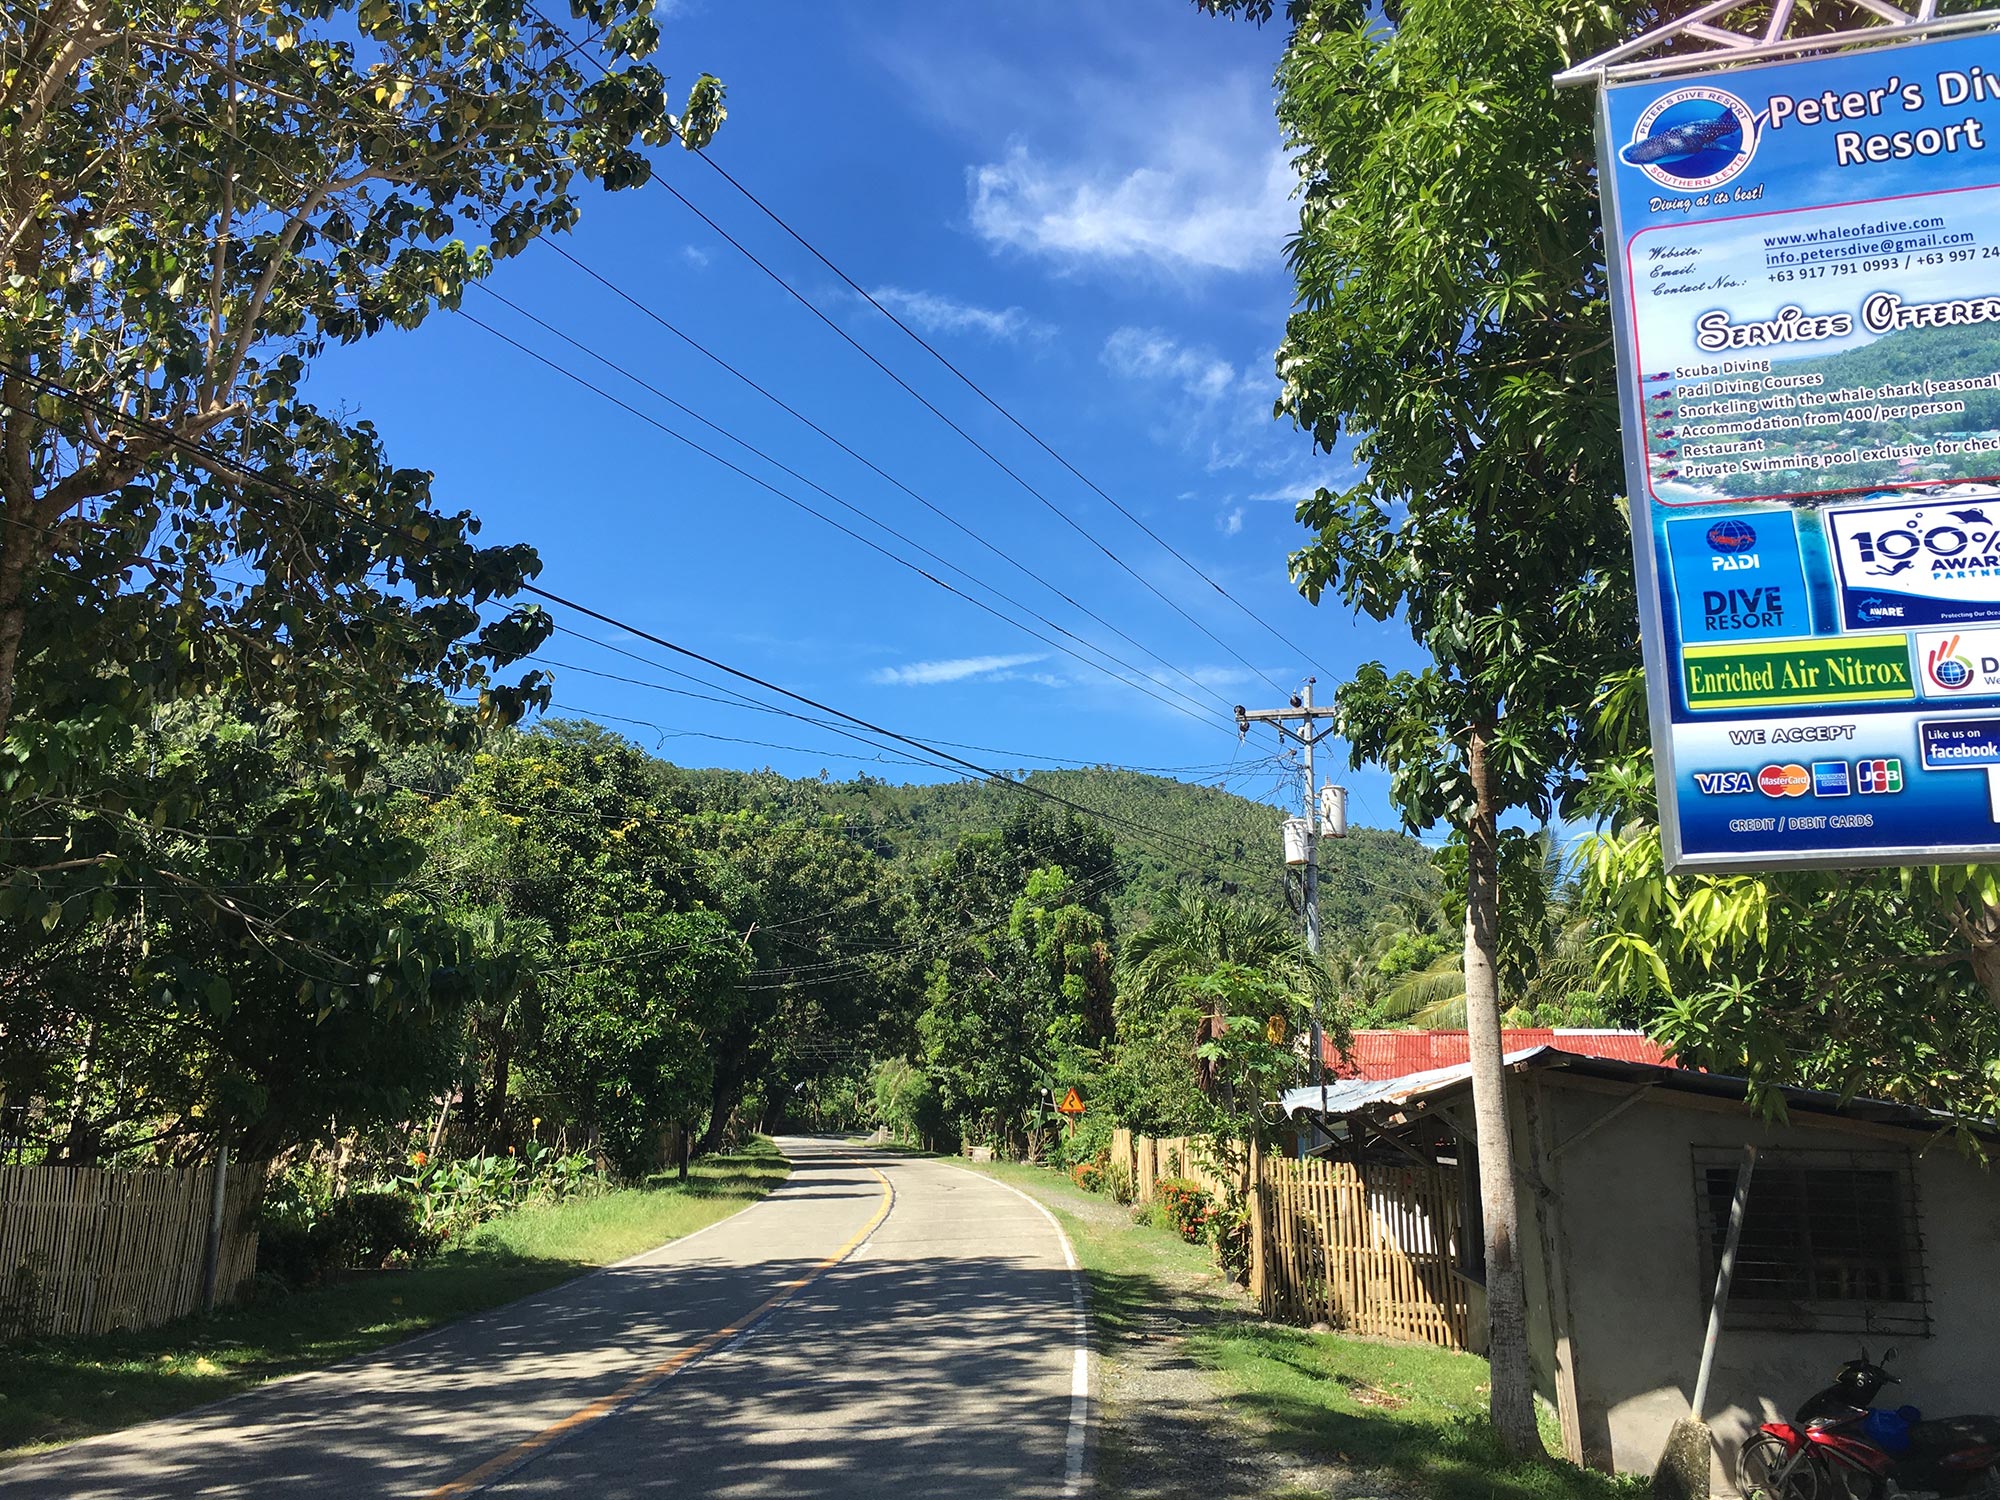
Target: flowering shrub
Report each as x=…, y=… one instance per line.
x=1188, y=1209
x=1088, y=1175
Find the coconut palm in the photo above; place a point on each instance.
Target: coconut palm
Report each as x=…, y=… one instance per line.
x=1198, y=933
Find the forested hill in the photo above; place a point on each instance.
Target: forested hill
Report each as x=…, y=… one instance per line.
x=1166, y=833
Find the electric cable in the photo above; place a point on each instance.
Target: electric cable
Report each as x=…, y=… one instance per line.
x=876, y=469
x=1197, y=712
x=851, y=508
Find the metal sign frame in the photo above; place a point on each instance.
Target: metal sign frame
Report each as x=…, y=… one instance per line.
x=1721, y=50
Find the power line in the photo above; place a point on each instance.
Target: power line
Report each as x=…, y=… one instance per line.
x=1064, y=516
x=983, y=395
x=218, y=459
x=1197, y=713
x=863, y=460
x=837, y=500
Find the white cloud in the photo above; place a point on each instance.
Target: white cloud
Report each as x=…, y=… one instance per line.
x=1232, y=524
x=1299, y=484
x=1148, y=354
x=696, y=258
x=1202, y=203
x=931, y=673
x=935, y=313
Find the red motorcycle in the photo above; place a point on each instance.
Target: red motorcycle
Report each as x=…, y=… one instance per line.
x=1838, y=1447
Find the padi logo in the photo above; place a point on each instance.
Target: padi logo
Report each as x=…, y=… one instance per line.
x=1692, y=139
x=1731, y=541
x=1723, y=783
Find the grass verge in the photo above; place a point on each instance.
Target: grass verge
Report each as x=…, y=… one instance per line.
x=1406, y=1411
x=58, y=1390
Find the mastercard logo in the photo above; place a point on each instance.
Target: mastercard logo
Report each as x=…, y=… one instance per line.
x=1784, y=781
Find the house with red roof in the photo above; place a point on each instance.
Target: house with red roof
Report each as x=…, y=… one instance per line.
x=1376, y=1055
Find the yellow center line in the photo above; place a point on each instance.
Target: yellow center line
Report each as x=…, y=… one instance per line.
x=657, y=1375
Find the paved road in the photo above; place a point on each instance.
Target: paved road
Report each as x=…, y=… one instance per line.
x=876, y=1327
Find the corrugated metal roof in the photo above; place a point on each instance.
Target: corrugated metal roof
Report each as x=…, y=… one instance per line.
x=1346, y=1096
x=1349, y=1096
x=1397, y=1054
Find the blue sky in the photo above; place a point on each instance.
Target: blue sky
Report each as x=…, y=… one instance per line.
x=1085, y=209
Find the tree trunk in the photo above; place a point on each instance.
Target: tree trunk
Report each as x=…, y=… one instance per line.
x=682, y=1136
x=1513, y=1389
x=496, y=1102
x=17, y=557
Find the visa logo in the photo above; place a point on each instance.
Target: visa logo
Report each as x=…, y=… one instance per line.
x=1723, y=783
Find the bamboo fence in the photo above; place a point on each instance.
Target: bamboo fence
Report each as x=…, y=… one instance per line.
x=1149, y=1159
x=1371, y=1250
x=84, y=1251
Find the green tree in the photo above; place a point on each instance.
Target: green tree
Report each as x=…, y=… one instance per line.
x=241, y=954
x=194, y=201
x=1014, y=978
x=1872, y=982
x=1152, y=1082
x=821, y=913
x=1451, y=332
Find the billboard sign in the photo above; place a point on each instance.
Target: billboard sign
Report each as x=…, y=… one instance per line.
x=1805, y=265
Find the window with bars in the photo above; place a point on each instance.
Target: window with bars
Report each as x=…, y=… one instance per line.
x=1830, y=1241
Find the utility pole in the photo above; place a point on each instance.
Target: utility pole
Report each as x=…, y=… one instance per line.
x=1302, y=714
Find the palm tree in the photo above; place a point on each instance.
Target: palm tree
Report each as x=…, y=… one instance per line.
x=1557, y=961
x=1197, y=933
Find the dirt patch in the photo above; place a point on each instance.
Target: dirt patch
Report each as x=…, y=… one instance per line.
x=1169, y=1428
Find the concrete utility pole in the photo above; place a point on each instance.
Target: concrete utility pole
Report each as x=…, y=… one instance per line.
x=1306, y=736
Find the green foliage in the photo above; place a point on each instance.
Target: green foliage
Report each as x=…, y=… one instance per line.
x=913, y=822
x=452, y=1196
x=1875, y=982
x=199, y=200
x=906, y=1102
x=1200, y=953
x=1452, y=327
x=233, y=949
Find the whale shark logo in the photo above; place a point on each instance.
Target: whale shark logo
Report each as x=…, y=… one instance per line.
x=1692, y=139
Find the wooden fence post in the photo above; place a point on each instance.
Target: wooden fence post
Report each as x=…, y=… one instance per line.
x=1260, y=1270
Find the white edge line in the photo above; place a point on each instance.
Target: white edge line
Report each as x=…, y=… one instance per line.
x=1075, y=1446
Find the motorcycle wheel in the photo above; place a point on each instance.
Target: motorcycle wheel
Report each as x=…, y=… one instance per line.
x=1768, y=1470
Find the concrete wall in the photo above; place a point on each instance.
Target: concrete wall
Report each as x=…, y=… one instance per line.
x=1638, y=1302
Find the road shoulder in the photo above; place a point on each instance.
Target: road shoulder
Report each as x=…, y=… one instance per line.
x=57, y=1393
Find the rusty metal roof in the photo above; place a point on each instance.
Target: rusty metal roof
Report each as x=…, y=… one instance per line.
x=1397, y=1054
x=1350, y=1096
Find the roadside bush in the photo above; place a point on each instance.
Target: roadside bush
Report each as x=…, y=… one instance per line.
x=454, y=1197
x=1229, y=1238
x=1187, y=1208
x=1118, y=1182
x=294, y=1253
x=370, y=1231
x=1089, y=1176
